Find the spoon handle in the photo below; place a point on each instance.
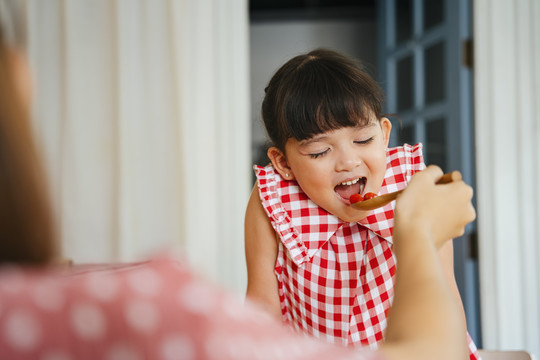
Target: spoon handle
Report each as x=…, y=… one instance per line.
x=382, y=200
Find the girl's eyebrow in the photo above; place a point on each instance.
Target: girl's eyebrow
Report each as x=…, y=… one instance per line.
x=370, y=124
x=314, y=139
x=324, y=136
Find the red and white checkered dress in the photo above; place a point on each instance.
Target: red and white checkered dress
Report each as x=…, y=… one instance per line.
x=336, y=279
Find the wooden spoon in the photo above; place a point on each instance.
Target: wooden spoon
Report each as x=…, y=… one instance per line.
x=382, y=200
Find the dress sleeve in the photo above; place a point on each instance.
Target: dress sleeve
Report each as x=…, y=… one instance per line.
x=415, y=157
x=402, y=163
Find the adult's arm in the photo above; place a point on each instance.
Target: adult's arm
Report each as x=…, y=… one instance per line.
x=446, y=257
x=425, y=321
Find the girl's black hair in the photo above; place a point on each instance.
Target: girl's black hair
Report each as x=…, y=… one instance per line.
x=316, y=92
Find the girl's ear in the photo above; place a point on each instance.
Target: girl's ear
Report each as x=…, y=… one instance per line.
x=279, y=161
x=386, y=127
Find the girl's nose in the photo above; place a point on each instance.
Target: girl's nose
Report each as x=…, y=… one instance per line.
x=347, y=160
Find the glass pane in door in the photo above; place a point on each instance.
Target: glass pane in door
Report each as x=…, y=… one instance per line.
x=403, y=20
x=433, y=13
x=434, y=80
x=435, y=147
x=406, y=135
x=405, y=84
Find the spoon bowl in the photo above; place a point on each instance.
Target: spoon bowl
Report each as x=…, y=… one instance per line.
x=382, y=200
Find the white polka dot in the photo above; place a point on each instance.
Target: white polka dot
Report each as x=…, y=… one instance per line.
x=213, y=346
x=296, y=349
x=55, y=355
x=239, y=311
x=88, y=321
x=142, y=315
x=242, y=347
x=102, y=286
x=123, y=352
x=145, y=281
x=272, y=351
x=232, y=346
x=48, y=296
x=13, y=280
x=197, y=297
x=177, y=347
x=22, y=330
x=251, y=310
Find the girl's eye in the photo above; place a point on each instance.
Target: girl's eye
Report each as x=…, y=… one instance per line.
x=317, y=155
x=363, y=142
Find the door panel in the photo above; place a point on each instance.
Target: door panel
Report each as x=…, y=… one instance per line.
x=430, y=89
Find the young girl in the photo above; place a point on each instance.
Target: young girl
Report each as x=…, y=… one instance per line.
x=324, y=267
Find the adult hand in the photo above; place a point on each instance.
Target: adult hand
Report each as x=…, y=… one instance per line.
x=439, y=211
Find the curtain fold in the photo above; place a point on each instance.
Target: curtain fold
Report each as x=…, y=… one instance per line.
x=507, y=108
x=142, y=109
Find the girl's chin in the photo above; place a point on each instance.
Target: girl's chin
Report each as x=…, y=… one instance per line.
x=352, y=215
x=344, y=211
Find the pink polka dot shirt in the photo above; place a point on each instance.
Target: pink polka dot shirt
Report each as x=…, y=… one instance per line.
x=148, y=310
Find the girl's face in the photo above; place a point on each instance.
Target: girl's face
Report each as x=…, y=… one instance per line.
x=331, y=166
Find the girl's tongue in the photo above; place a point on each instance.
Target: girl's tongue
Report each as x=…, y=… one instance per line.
x=345, y=191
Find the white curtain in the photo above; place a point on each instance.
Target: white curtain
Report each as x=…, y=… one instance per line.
x=507, y=102
x=142, y=108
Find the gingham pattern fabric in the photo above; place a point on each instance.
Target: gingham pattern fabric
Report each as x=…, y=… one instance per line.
x=336, y=279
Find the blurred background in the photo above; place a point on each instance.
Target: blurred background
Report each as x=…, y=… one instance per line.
x=148, y=116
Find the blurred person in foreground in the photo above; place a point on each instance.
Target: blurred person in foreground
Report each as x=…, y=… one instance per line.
x=159, y=309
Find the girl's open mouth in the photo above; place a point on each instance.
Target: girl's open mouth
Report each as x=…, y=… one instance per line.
x=346, y=189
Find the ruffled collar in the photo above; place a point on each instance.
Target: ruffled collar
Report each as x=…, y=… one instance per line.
x=304, y=227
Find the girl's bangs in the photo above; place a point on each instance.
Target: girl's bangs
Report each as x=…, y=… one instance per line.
x=324, y=108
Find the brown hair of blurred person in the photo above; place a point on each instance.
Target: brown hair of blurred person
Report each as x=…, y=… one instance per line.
x=26, y=224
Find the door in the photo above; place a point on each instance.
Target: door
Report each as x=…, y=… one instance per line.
x=425, y=70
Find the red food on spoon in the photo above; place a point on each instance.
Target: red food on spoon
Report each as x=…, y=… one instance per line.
x=369, y=196
x=355, y=198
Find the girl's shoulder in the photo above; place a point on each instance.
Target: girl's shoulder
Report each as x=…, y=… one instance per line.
x=402, y=162
x=406, y=159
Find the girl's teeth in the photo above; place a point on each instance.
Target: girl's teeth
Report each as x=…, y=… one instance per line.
x=350, y=182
